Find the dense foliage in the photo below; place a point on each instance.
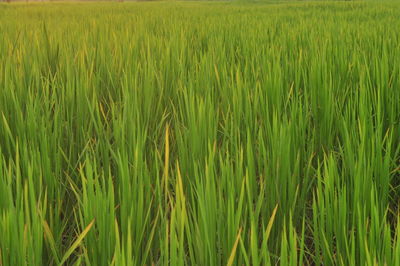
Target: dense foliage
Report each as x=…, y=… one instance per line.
x=200, y=134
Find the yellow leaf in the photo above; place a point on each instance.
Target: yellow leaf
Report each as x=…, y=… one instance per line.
x=270, y=223
x=233, y=252
x=77, y=242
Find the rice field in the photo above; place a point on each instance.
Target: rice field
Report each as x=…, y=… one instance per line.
x=200, y=133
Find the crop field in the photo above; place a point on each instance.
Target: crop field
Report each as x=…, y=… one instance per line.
x=200, y=133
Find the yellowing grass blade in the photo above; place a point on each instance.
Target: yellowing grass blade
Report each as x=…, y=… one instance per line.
x=49, y=237
x=77, y=242
x=270, y=223
x=233, y=252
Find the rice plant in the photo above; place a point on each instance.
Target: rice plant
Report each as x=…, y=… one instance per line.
x=200, y=133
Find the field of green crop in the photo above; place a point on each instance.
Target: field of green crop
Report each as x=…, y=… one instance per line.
x=200, y=133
